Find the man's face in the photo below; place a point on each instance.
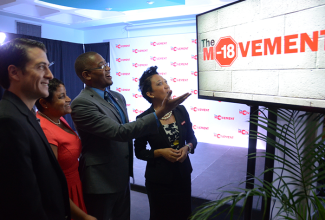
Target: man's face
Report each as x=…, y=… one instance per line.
x=36, y=75
x=100, y=78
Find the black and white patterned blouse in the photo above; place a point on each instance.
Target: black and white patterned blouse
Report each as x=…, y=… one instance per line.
x=172, y=134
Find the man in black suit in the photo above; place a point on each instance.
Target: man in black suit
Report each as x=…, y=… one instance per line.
x=32, y=183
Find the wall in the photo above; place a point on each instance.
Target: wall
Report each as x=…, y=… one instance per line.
x=105, y=34
x=96, y=35
x=49, y=31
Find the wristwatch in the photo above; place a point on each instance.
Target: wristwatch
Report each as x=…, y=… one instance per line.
x=189, y=148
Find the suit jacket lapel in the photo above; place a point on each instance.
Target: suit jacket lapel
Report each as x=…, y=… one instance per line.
x=103, y=102
x=120, y=103
x=161, y=129
x=31, y=118
x=178, y=117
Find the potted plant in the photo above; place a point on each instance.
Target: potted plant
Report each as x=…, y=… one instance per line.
x=298, y=173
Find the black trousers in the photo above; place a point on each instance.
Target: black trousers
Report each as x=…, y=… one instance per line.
x=112, y=206
x=170, y=201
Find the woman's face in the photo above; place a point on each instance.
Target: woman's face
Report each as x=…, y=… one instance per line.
x=159, y=88
x=60, y=104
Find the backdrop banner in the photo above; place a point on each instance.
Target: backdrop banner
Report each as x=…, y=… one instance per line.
x=175, y=56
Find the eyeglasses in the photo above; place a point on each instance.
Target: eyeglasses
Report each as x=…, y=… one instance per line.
x=99, y=68
x=51, y=64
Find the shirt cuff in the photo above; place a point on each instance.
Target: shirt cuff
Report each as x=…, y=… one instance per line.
x=157, y=120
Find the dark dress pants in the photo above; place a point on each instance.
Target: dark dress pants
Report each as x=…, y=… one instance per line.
x=170, y=201
x=112, y=206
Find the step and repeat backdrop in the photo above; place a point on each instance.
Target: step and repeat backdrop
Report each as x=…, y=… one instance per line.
x=214, y=122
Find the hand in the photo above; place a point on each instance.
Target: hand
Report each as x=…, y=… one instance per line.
x=89, y=217
x=183, y=155
x=169, y=104
x=170, y=154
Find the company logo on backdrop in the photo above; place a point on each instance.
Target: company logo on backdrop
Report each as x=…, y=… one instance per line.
x=194, y=73
x=196, y=109
x=128, y=105
x=122, y=60
x=139, y=65
x=197, y=127
x=174, y=96
x=137, y=95
x=219, y=117
x=194, y=91
x=122, y=74
x=243, y=112
x=178, y=80
x=157, y=58
x=194, y=57
x=178, y=48
x=223, y=136
x=162, y=73
x=139, y=51
x=137, y=111
x=193, y=41
x=157, y=43
x=225, y=51
x=243, y=132
x=135, y=79
x=119, y=46
x=178, y=64
x=122, y=90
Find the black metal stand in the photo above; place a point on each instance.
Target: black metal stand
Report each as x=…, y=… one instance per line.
x=251, y=163
x=269, y=163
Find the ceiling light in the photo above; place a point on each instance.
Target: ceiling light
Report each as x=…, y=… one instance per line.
x=2, y=37
x=54, y=5
x=150, y=2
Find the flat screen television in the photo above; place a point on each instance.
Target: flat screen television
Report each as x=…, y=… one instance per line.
x=259, y=52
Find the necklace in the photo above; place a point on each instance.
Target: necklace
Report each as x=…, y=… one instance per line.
x=56, y=123
x=166, y=116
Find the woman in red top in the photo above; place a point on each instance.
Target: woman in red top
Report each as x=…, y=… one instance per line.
x=64, y=142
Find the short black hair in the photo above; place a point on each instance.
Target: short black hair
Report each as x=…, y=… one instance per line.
x=81, y=63
x=14, y=52
x=145, y=82
x=53, y=85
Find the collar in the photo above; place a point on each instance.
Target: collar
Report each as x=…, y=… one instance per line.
x=13, y=98
x=100, y=92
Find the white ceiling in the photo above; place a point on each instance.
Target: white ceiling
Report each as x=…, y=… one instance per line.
x=35, y=10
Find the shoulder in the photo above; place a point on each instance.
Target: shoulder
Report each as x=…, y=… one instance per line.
x=180, y=112
x=10, y=112
x=146, y=112
x=84, y=97
x=181, y=108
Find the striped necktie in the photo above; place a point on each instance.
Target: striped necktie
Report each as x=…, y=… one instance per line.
x=109, y=98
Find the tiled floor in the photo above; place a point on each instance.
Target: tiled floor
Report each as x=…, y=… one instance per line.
x=213, y=166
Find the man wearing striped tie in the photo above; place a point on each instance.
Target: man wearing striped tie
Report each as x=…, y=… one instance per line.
x=101, y=119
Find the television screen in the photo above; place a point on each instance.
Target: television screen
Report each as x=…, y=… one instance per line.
x=261, y=52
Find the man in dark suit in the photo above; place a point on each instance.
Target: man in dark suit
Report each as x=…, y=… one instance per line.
x=32, y=183
x=102, y=122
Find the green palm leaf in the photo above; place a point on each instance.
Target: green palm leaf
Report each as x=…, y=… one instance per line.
x=296, y=178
